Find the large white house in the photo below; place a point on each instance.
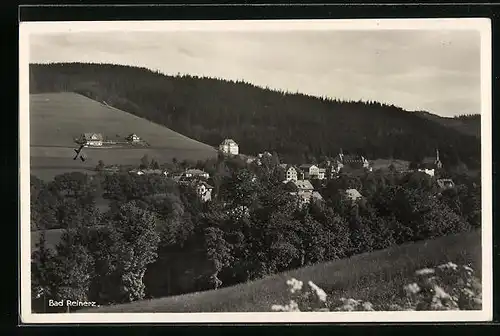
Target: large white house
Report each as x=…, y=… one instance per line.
x=229, y=146
x=291, y=173
x=310, y=171
x=91, y=139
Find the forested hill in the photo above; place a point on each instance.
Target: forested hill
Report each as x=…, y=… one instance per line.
x=295, y=125
x=467, y=124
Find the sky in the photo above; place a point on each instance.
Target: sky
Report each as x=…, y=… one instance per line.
x=433, y=70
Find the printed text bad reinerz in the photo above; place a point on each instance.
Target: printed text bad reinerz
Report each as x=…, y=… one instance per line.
x=70, y=303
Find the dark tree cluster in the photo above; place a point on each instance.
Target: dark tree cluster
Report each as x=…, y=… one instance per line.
x=158, y=239
x=66, y=202
x=295, y=125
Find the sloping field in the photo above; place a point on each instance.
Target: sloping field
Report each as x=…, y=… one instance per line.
x=377, y=277
x=57, y=118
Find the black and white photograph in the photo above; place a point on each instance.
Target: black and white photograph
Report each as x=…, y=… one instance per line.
x=256, y=171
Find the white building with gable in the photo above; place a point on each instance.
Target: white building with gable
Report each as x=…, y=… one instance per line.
x=229, y=146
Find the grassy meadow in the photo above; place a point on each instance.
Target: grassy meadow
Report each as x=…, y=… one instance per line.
x=376, y=277
x=57, y=118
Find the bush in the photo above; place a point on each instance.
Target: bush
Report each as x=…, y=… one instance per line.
x=445, y=287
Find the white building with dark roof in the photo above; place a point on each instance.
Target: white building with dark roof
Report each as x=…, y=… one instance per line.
x=311, y=171
x=91, y=139
x=291, y=173
x=229, y=146
x=133, y=138
x=353, y=194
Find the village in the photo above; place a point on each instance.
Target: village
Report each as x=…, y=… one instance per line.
x=299, y=179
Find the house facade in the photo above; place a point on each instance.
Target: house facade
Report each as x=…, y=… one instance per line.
x=229, y=146
x=309, y=171
x=291, y=173
x=321, y=173
x=204, y=191
x=91, y=139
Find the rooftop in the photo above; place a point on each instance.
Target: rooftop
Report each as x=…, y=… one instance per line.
x=228, y=142
x=195, y=171
x=200, y=183
x=307, y=165
x=303, y=184
x=353, y=194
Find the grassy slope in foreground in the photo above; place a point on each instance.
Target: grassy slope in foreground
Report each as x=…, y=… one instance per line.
x=57, y=118
x=376, y=277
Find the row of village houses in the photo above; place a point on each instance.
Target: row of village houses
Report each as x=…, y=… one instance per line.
x=305, y=171
x=297, y=180
x=342, y=161
x=297, y=177
x=97, y=139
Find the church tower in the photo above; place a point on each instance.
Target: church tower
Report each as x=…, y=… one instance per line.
x=438, y=163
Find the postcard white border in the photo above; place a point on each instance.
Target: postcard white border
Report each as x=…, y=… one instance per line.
x=483, y=25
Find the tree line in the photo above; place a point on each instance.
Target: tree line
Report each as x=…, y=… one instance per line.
x=298, y=126
x=159, y=239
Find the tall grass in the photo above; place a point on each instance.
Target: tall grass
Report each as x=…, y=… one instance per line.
x=379, y=275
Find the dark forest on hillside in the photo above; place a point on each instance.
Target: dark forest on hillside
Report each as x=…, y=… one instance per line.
x=297, y=126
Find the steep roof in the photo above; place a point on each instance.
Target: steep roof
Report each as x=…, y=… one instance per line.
x=317, y=195
x=229, y=142
x=303, y=184
x=200, y=183
x=286, y=166
x=352, y=158
x=307, y=165
x=353, y=194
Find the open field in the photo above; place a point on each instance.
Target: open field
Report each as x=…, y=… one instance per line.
x=376, y=277
x=57, y=118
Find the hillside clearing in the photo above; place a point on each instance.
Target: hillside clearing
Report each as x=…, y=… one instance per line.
x=57, y=118
x=376, y=277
